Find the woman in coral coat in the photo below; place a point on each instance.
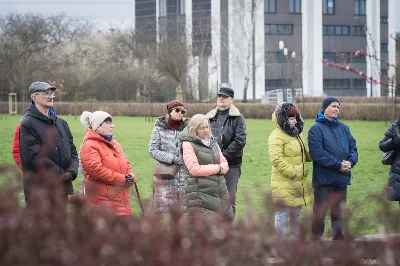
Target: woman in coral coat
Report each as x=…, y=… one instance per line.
x=108, y=174
x=288, y=155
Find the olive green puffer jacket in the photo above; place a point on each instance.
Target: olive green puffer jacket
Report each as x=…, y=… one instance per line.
x=207, y=194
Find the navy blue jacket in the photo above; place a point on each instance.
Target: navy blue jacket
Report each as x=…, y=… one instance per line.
x=330, y=143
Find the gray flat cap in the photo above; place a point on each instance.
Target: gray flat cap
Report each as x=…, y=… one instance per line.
x=40, y=86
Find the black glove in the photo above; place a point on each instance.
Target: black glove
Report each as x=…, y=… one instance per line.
x=396, y=143
x=67, y=177
x=128, y=180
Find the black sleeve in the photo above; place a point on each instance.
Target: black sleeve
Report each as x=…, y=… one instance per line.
x=31, y=156
x=386, y=143
x=73, y=168
x=239, y=140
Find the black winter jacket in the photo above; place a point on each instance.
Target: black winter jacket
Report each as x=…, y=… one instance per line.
x=385, y=145
x=46, y=144
x=233, y=137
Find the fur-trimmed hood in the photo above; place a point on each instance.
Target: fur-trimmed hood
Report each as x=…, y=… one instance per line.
x=280, y=119
x=233, y=111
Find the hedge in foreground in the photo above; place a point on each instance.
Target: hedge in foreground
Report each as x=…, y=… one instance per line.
x=41, y=235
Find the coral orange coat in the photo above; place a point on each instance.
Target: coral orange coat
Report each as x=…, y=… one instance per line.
x=105, y=166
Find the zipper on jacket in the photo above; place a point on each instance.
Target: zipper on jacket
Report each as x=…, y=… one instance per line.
x=303, y=150
x=343, y=142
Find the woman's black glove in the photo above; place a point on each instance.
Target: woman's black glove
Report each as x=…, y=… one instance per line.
x=129, y=180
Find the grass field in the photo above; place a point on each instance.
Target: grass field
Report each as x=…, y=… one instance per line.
x=134, y=133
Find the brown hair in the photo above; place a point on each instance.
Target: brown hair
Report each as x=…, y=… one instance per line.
x=292, y=111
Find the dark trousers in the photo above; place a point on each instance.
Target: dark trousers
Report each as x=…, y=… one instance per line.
x=326, y=197
x=232, y=179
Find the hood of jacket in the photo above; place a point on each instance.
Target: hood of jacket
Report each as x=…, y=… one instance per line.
x=34, y=112
x=163, y=123
x=322, y=118
x=281, y=121
x=233, y=111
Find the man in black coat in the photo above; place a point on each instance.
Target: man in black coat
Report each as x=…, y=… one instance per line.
x=228, y=126
x=46, y=144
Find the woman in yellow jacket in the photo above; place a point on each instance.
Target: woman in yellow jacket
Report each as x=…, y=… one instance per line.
x=288, y=155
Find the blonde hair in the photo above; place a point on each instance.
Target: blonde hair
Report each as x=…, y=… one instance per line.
x=194, y=124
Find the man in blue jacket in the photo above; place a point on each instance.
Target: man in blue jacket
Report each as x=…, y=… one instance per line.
x=334, y=152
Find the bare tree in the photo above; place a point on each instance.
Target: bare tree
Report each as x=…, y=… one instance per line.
x=24, y=36
x=243, y=50
x=201, y=50
x=172, y=60
x=388, y=81
x=83, y=61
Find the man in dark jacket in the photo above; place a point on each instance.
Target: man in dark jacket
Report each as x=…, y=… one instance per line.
x=334, y=152
x=229, y=128
x=46, y=145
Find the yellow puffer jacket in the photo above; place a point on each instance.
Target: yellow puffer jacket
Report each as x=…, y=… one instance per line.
x=289, y=182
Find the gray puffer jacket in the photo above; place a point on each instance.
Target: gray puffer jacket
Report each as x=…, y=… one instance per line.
x=163, y=147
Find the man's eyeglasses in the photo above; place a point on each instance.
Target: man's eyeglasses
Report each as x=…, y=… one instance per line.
x=110, y=123
x=179, y=110
x=46, y=93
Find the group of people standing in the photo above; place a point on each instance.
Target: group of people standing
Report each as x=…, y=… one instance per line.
x=207, y=153
x=333, y=151
x=198, y=162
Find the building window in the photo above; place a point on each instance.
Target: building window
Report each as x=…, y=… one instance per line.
x=359, y=84
x=358, y=31
x=384, y=47
x=359, y=7
x=335, y=58
x=182, y=7
x=337, y=83
x=182, y=31
x=163, y=8
x=328, y=7
x=274, y=57
x=384, y=73
x=162, y=32
x=274, y=84
x=335, y=30
x=295, y=6
x=278, y=29
x=384, y=20
x=269, y=6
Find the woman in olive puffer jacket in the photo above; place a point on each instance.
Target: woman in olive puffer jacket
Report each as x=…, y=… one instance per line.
x=204, y=168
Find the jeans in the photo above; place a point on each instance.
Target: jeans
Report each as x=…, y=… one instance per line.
x=288, y=218
x=326, y=197
x=232, y=179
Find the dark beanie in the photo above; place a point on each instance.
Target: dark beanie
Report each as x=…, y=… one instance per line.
x=173, y=104
x=327, y=101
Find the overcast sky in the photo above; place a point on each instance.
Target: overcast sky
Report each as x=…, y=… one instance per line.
x=103, y=12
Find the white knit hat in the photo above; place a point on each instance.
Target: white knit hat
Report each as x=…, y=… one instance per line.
x=93, y=120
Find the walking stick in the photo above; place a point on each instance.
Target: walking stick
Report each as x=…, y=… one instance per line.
x=138, y=198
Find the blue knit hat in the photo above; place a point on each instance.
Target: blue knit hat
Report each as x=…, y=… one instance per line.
x=327, y=101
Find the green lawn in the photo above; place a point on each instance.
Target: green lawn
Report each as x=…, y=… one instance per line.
x=134, y=133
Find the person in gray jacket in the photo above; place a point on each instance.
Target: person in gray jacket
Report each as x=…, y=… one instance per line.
x=164, y=148
x=229, y=128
